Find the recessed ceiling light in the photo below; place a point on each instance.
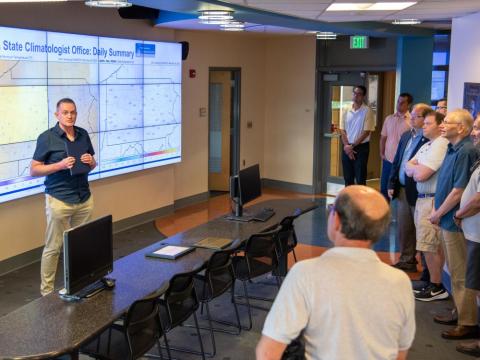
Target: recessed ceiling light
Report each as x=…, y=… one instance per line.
x=326, y=35
x=406, y=22
x=108, y=3
x=215, y=17
x=378, y=6
x=233, y=26
x=391, y=5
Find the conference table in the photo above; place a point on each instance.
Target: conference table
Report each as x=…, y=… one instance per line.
x=50, y=327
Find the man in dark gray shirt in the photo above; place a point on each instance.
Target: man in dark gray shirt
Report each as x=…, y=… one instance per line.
x=68, y=199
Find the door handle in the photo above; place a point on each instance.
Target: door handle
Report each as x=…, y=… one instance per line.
x=331, y=135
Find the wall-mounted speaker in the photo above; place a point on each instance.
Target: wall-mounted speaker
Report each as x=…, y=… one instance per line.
x=138, y=12
x=185, y=48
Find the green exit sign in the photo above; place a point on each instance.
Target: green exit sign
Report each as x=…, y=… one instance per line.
x=358, y=42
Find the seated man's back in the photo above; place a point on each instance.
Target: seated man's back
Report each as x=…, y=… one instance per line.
x=346, y=303
x=351, y=305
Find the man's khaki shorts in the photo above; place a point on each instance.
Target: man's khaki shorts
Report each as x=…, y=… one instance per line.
x=429, y=236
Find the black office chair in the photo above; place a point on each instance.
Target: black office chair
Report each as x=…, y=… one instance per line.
x=292, y=241
x=178, y=304
x=219, y=277
x=140, y=331
x=260, y=257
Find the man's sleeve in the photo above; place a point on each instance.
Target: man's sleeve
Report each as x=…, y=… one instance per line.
x=408, y=331
x=290, y=311
x=436, y=156
x=90, y=150
x=384, y=126
x=369, y=124
x=41, y=149
x=461, y=173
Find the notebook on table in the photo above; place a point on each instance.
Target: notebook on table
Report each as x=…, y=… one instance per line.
x=214, y=243
x=170, y=252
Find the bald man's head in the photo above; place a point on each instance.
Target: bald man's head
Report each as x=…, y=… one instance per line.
x=364, y=213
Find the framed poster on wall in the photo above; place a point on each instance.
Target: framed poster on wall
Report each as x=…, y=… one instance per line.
x=471, y=98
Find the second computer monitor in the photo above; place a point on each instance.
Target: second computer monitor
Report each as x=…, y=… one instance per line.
x=249, y=184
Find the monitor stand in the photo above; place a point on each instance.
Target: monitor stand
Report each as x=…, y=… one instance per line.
x=90, y=290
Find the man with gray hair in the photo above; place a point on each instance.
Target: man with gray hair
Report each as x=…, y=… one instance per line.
x=453, y=178
x=324, y=298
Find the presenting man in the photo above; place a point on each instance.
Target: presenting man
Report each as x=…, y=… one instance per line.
x=404, y=189
x=453, y=177
x=355, y=126
x=423, y=167
x=393, y=128
x=347, y=303
x=68, y=199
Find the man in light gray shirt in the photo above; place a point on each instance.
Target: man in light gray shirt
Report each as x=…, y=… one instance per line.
x=423, y=168
x=347, y=303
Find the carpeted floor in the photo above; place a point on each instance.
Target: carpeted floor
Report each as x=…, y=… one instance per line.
x=22, y=286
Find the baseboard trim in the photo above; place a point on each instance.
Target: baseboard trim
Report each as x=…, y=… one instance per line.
x=285, y=185
x=34, y=255
x=190, y=200
x=20, y=260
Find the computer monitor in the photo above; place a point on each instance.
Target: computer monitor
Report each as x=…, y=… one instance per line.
x=250, y=186
x=87, y=254
x=245, y=187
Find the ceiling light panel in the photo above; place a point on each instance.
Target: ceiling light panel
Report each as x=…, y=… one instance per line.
x=378, y=6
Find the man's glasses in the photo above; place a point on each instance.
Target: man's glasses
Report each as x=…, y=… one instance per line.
x=445, y=122
x=330, y=208
x=66, y=113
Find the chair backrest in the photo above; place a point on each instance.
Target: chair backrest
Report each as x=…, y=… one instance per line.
x=264, y=247
x=219, y=274
x=288, y=238
x=180, y=298
x=142, y=326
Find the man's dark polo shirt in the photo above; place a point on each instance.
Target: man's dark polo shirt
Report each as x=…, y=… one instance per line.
x=454, y=173
x=51, y=148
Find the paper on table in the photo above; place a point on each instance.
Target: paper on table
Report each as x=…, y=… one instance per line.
x=170, y=250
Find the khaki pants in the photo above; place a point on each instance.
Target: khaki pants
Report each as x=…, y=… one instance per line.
x=456, y=256
x=61, y=216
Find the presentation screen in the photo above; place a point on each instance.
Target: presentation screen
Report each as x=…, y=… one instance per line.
x=127, y=92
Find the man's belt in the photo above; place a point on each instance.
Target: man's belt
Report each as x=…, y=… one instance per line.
x=422, y=196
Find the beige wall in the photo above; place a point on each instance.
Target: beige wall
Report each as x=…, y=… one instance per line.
x=264, y=101
x=214, y=49
x=289, y=109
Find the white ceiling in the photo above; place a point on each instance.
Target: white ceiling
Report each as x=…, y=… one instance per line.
x=311, y=9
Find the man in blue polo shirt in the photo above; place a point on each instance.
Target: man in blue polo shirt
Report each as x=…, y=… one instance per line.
x=68, y=199
x=453, y=177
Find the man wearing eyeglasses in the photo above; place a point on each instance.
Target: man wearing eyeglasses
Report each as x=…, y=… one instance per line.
x=347, y=303
x=68, y=199
x=453, y=178
x=442, y=106
x=403, y=188
x=356, y=125
x=468, y=218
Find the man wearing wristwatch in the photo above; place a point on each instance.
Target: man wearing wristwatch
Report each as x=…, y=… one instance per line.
x=453, y=178
x=468, y=217
x=356, y=125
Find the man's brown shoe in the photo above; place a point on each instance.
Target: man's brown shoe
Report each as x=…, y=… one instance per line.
x=461, y=332
x=449, y=318
x=469, y=348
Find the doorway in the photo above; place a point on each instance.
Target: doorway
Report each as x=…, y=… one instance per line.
x=335, y=93
x=223, y=127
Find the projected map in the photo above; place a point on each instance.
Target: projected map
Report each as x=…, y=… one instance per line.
x=127, y=92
